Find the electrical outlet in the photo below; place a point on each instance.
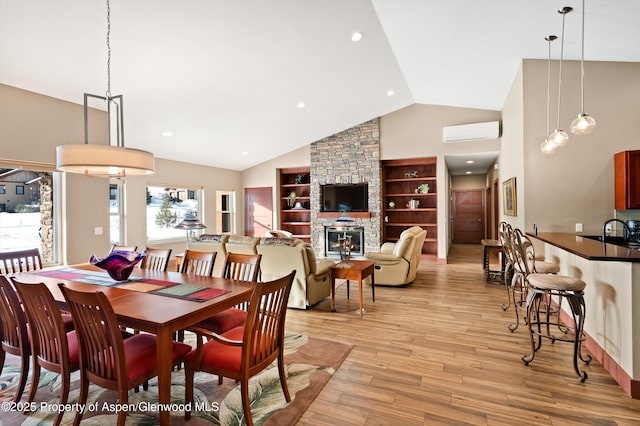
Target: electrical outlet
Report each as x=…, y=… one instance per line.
x=97, y=230
x=578, y=227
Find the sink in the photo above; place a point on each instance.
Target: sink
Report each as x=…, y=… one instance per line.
x=618, y=241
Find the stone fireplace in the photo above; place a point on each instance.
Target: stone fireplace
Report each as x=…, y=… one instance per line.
x=351, y=156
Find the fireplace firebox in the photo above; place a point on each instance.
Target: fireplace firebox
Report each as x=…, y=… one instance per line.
x=333, y=236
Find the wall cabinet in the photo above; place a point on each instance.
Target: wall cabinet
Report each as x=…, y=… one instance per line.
x=627, y=180
x=406, y=201
x=295, y=212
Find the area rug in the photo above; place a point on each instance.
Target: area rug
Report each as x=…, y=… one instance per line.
x=310, y=363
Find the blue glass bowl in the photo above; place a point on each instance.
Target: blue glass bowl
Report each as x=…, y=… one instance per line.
x=118, y=264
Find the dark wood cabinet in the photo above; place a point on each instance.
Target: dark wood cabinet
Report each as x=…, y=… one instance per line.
x=295, y=212
x=627, y=180
x=406, y=204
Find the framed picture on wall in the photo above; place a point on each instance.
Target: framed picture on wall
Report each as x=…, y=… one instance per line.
x=509, y=197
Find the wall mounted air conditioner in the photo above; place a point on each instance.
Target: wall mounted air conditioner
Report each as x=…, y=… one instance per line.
x=471, y=132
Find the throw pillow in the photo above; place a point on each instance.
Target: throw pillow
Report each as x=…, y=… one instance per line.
x=274, y=241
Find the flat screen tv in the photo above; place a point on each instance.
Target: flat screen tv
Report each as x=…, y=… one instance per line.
x=345, y=197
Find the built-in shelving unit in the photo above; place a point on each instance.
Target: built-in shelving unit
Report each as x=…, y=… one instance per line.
x=295, y=219
x=401, y=179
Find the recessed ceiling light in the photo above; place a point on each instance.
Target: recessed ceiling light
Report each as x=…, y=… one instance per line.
x=167, y=134
x=469, y=161
x=357, y=36
x=301, y=105
x=468, y=172
x=390, y=92
x=245, y=153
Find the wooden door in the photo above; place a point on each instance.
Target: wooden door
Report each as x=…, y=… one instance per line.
x=468, y=216
x=258, y=211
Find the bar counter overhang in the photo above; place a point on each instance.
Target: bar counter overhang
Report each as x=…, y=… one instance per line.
x=612, y=298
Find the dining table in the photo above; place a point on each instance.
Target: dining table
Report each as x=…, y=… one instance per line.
x=155, y=302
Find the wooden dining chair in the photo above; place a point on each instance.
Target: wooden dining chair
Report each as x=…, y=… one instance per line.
x=117, y=247
x=20, y=260
x=243, y=352
x=244, y=267
x=156, y=259
x=52, y=347
x=14, y=337
x=198, y=262
x=106, y=358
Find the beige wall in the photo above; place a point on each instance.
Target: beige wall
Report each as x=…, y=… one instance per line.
x=416, y=131
x=511, y=155
x=574, y=185
x=32, y=125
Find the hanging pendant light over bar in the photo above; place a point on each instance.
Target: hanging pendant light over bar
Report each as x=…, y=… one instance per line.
x=548, y=147
x=584, y=123
x=559, y=137
x=112, y=160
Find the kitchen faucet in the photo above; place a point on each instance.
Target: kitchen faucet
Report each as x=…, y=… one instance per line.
x=626, y=231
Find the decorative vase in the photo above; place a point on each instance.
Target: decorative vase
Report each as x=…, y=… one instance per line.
x=118, y=264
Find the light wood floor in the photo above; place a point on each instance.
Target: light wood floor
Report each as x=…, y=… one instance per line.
x=439, y=352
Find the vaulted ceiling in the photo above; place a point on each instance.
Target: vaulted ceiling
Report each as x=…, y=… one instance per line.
x=227, y=78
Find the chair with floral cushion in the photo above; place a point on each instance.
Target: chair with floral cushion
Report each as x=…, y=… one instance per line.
x=243, y=352
x=52, y=347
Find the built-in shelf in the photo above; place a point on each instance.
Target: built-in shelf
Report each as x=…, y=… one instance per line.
x=400, y=179
x=295, y=220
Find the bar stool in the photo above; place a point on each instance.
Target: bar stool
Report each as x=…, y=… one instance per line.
x=542, y=288
x=524, y=264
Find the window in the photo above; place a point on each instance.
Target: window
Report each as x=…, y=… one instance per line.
x=28, y=220
x=116, y=212
x=225, y=214
x=166, y=207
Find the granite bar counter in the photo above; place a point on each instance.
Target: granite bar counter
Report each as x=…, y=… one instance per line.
x=588, y=248
x=612, y=297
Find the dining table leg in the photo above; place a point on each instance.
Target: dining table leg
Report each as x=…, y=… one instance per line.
x=163, y=347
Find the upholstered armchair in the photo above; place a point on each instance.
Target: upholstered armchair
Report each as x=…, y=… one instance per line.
x=397, y=263
x=312, y=281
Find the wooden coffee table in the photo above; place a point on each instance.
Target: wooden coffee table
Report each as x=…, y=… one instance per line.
x=356, y=270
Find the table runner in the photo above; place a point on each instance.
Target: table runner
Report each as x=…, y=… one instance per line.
x=195, y=293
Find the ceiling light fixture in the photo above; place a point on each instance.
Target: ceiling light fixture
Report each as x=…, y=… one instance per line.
x=584, y=123
x=301, y=105
x=357, y=36
x=559, y=137
x=390, y=92
x=548, y=147
x=105, y=160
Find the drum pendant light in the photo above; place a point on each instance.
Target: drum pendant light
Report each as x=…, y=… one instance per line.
x=111, y=160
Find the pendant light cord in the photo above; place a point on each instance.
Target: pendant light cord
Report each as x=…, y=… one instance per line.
x=108, y=94
x=582, y=64
x=549, y=39
x=564, y=14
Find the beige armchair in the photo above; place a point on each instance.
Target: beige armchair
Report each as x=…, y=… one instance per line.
x=397, y=263
x=312, y=281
